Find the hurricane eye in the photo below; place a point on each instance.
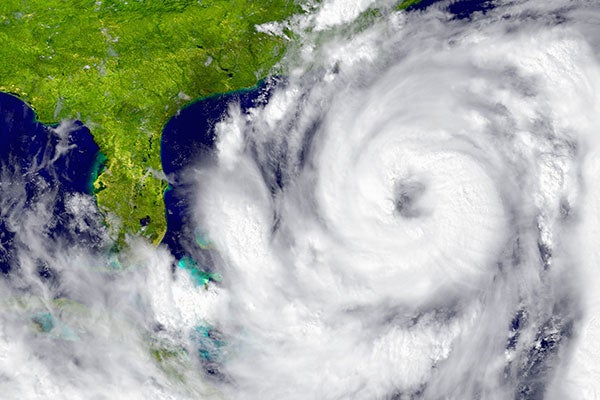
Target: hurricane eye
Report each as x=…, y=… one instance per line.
x=407, y=196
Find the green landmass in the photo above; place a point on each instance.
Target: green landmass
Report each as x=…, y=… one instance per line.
x=124, y=68
x=407, y=3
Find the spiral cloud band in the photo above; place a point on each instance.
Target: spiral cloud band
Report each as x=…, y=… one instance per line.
x=403, y=218
x=410, y=211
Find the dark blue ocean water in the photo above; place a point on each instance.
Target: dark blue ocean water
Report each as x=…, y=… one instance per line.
x=462, y=9
x=37, y=166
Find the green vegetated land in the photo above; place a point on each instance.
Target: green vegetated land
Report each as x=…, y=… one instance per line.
x=124, y=67
x=407, y=3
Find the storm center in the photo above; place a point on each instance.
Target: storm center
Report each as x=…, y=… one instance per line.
x=407, y=194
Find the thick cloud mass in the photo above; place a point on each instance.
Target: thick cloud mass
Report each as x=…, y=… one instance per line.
x=413, y=213
x=408, y=214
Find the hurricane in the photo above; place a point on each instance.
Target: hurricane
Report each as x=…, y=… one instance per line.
x=407, y=208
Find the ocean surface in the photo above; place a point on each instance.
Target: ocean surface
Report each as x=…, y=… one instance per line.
x=37, y=161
